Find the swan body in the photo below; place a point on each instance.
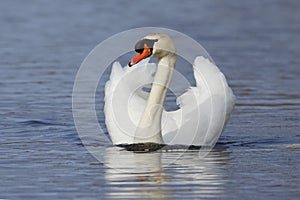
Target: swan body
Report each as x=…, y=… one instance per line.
x=133, y=115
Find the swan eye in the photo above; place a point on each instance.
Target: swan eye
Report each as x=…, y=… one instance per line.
x=139, y=47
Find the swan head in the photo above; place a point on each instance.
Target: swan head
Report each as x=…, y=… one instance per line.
x=156, y=45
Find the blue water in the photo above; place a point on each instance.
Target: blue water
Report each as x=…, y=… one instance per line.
x=255, y=43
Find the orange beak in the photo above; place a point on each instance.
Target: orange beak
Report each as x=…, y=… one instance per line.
x=140, y=56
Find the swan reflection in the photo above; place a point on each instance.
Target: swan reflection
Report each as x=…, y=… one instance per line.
x=163, y=175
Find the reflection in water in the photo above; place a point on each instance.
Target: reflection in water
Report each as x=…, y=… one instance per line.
x=153, y=175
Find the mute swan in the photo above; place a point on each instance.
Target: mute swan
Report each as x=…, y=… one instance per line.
x=134, y=116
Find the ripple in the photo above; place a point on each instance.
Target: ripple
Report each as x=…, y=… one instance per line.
x=269, y=104
x=38, y=123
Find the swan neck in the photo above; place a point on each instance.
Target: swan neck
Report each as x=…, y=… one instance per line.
x=149, y=128
x=167, y=61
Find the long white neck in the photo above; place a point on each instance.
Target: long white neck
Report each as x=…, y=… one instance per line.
x=149, y=128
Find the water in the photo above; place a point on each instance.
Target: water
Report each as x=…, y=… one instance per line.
x=255, y=43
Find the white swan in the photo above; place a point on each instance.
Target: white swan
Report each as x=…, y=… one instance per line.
x=132, y=115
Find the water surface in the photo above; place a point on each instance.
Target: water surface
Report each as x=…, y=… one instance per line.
x=255, y=43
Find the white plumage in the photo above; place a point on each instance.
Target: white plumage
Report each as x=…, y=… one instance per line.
x=203, y=109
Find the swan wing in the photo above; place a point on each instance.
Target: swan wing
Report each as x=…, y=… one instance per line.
x=204, y=109
x=125, y=99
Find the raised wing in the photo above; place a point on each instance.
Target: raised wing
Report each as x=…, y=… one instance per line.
x=125, y=99
x=204, y=109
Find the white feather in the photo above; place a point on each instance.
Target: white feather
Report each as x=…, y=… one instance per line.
x=203, y=109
